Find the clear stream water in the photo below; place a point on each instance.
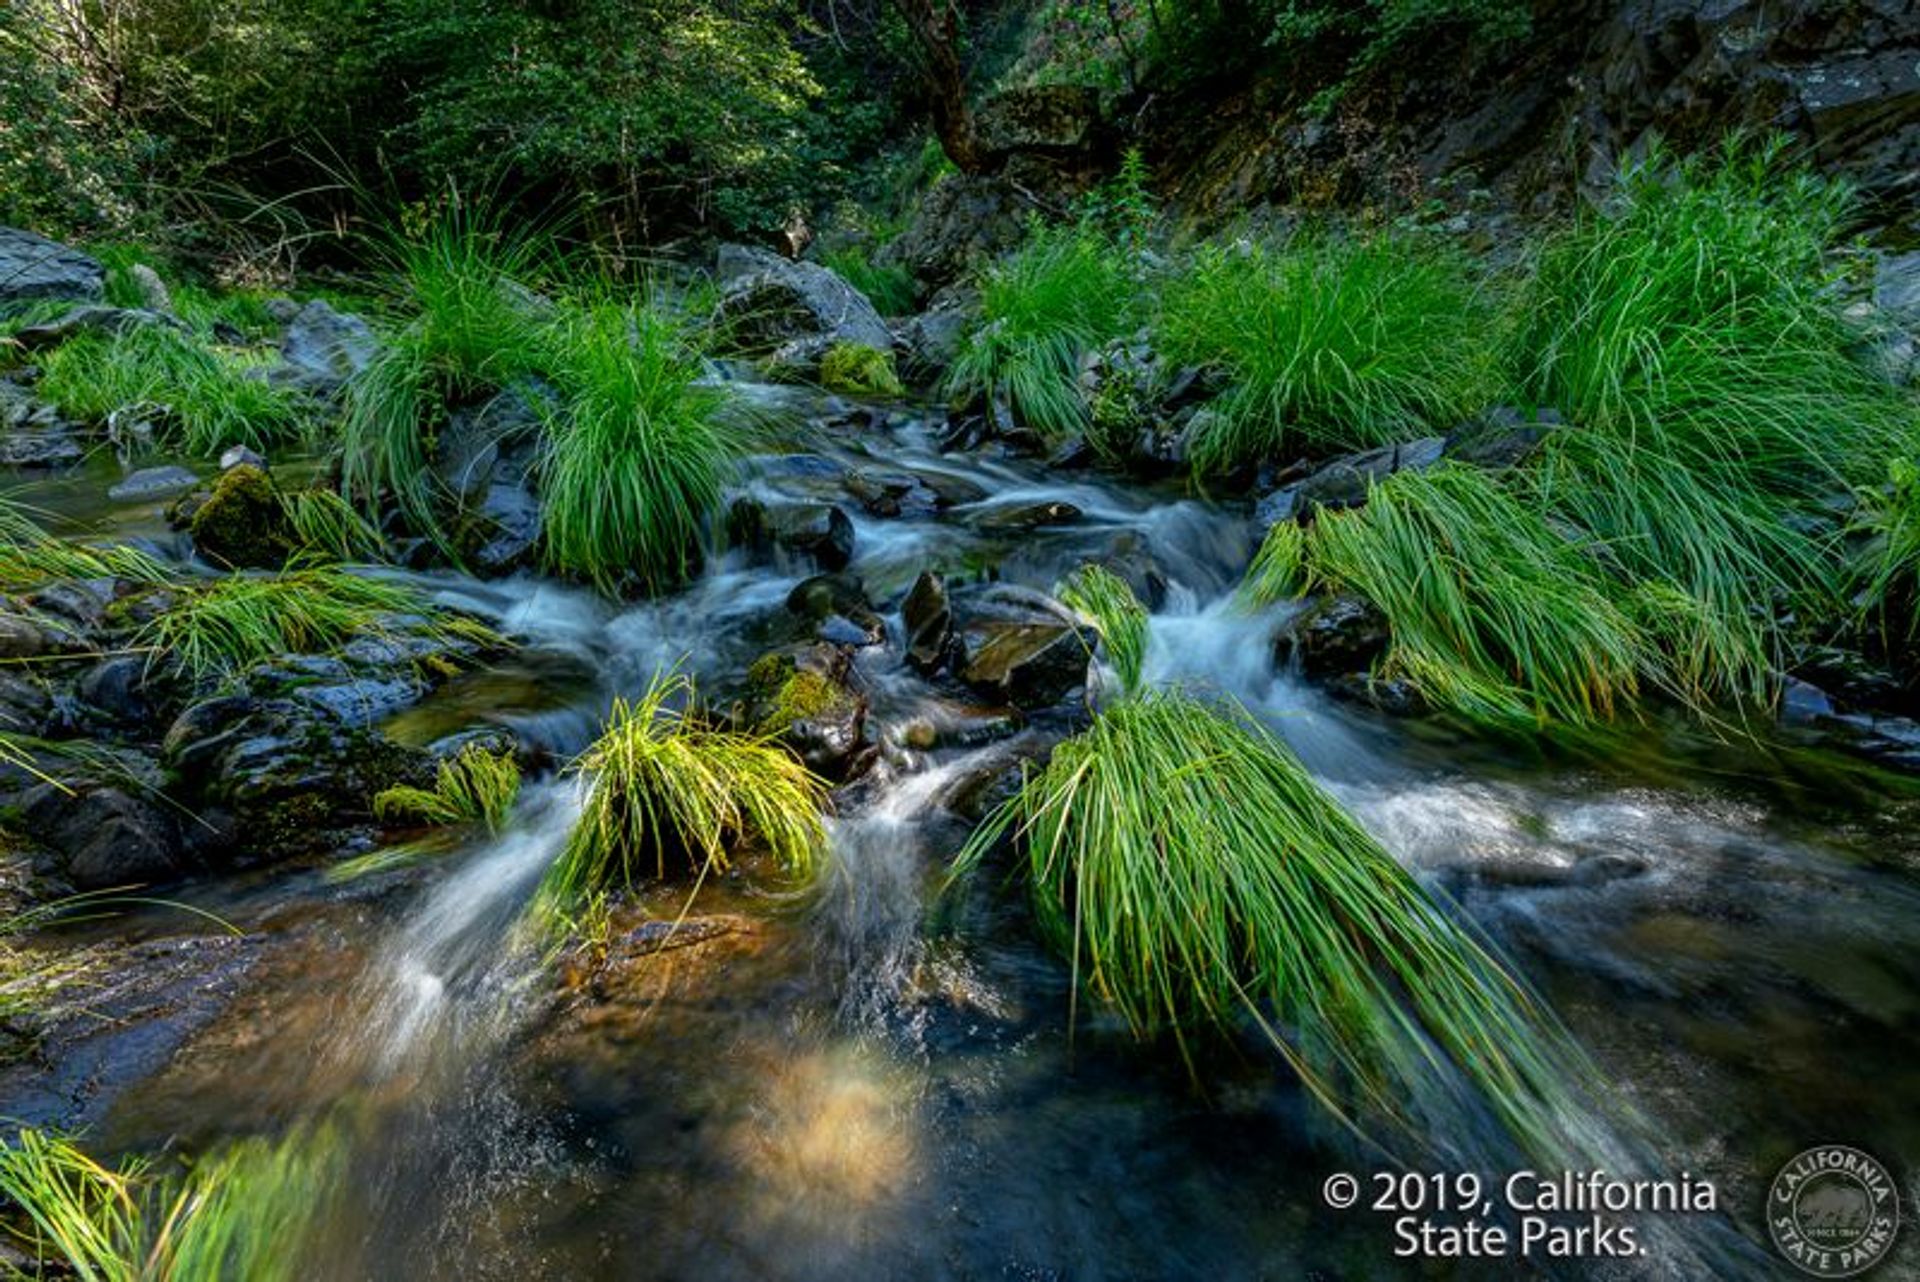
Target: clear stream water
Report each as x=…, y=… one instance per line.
x=870, y=1078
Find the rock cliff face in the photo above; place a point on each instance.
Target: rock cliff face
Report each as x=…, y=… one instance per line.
x=1597, y=81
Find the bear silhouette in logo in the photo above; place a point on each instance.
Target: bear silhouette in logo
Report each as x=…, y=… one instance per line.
x=1839, y=1209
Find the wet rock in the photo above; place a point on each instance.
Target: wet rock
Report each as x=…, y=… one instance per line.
x=80, y=603
x=33, y=434
x=1020, y=517
x=241, y=456
x=950, y=489
x=928, y=618
x=322, y=350
x=819, y=531
x=1802, y=702
x=106, y=837
x=837, y=604
x=889, y=493
x=1021, y=648
x=793, y=312
x=804, y=698
x=291, y=772
x=126, y=690
x=1334, y=636
x=487, y=442
x=20, y=636
x=152, y=483
x=1502, y=437
x=240, y=523
x=33, y=268
x=25, y=704
x=1344, y=482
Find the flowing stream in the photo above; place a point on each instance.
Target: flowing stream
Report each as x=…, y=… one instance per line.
x=875, y=1077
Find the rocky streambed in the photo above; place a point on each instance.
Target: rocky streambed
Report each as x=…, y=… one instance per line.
x=877, y=1074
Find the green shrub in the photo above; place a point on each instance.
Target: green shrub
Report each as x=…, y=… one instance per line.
x=209, y=400
x=1060, y=296
x=1329, y=343
x=1886, y=570
x=635, y=460
x=474, y=787
x=859, y=370
x=1198, y=879
x=664, y=786
x=1494, y=614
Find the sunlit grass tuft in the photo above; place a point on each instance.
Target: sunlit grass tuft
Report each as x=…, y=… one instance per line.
x=1105, y=600
x=664, y=788
x=1329, y=343
x=1494, y=614
x=240, y=1213
x=1060, y=296
x=1199, y=880
x=221, y=627
x=476, y=786
x=636, y=457
x=202, y=400
x=326, y=525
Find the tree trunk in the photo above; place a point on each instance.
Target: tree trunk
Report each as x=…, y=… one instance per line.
x=935, y=25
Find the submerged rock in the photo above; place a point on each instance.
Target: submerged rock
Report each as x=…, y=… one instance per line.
x=838, y=605
x=150, y=483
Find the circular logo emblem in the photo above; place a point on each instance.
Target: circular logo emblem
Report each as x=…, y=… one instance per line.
x=1833, y=1211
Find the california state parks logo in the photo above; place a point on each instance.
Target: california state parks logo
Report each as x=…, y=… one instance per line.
x=1833, y=1211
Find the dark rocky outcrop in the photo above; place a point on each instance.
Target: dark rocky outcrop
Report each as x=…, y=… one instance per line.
x=33, y=434
x=1020, y=647
x=1335, y=636
x=106, y=836
x=792, y=313
x=33, y=268
x=322, y=349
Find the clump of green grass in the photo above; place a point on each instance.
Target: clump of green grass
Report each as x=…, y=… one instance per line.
x=889, y=289
x=325, y=524
x=663, y=786
x=219, y=628
x=473, y=328
x=1199, y=880
x=1329, y=342
x=1689, y=331
x=31, y=558
x=1105, y=600
x=1060, y=296
x=240, y=1213
x=634, y=463
x=1494, y=614
x=211, y=399
x=1886, y=570
x=475, y=787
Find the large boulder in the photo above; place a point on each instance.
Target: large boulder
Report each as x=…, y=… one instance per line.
x=323, y=349
x=963, y=221
x=33, y=268
x=792, y=312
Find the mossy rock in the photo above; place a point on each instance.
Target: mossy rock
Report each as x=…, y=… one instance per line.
x=242, y=523
x=785, y=693
x=859, y=370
